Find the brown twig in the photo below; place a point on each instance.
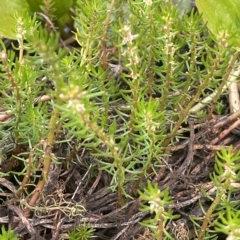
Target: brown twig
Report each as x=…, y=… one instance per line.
x=225, y=132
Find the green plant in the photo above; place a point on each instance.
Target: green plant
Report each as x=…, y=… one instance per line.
x=220, y=108
x=123, y=96
x=222, y=215
x=82, y=233
x=157, y=202
x=7, y=235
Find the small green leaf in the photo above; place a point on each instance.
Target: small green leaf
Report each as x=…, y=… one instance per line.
x=8, y=11
x=222, y=15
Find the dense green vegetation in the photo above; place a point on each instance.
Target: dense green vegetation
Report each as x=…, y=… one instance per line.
x=107, y=89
